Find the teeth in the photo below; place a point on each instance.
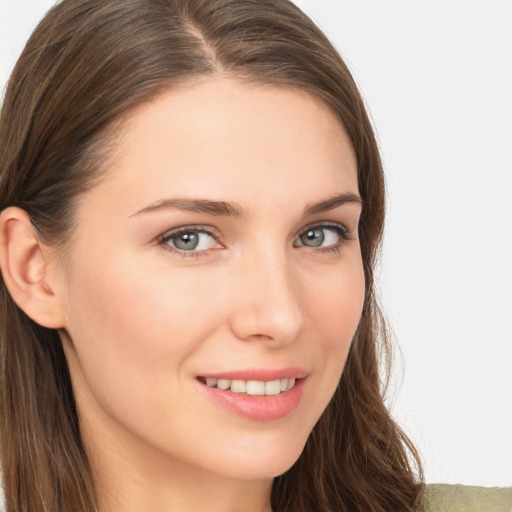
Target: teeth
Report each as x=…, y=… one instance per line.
x=252, y=387
x=238, y=386
x=273, y=387
x=223, y=384
x=255, y=387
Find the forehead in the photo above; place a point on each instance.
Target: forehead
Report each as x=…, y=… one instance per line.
x=218, y=137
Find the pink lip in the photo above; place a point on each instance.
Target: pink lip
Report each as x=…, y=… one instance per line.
x=260, y=408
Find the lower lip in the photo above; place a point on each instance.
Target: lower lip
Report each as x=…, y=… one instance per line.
x=261, y=408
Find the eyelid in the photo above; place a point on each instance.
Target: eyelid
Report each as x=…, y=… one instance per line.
x=335, y=226
x=167, y=235
x=341, y=230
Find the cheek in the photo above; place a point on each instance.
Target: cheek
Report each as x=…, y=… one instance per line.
x=131, y=325
x=337, y=306
x=335, y=314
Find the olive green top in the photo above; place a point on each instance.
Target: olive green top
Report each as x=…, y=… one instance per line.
x=466, y=498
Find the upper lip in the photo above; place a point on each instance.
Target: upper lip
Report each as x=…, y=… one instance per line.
x=263, y=374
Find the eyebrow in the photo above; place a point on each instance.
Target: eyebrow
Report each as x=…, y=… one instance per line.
x=196, y=206
x=223, y=208
x=331, y=203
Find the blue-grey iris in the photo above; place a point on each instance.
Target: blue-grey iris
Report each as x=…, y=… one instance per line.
x=313, y=237
x=186, y=241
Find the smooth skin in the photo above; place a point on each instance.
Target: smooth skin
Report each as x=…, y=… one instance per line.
x=145, y=307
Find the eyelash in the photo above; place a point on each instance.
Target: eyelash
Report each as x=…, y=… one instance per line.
x=342, y=232
x=169, y=235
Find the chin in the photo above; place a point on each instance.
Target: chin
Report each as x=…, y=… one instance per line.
x=261, y=462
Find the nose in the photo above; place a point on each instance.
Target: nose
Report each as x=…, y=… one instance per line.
x=267, y=300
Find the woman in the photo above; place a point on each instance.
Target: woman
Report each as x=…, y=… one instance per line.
x=192, y=203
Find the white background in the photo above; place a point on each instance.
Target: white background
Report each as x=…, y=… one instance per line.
x=437, y=79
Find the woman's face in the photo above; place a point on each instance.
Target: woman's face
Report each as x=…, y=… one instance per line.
x=221, y=249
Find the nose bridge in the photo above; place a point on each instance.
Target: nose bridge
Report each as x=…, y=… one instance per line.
x=267, y=299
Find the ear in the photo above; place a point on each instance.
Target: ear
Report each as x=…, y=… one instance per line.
x=25, y=264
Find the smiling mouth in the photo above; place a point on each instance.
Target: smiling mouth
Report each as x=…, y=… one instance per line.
x=250, y=387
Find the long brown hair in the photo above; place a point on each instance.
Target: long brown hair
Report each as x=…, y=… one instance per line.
x=86, y=65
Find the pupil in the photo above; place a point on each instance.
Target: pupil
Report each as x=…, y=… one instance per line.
x=313, y=238
x=187, y=241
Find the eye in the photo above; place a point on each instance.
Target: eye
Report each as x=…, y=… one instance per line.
x=192, y=240
x=328, y=236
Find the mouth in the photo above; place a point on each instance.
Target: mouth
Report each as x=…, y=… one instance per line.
x=251, y=387
x=261, y=394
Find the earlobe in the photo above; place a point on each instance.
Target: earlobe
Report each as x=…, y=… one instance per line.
x=25, y=269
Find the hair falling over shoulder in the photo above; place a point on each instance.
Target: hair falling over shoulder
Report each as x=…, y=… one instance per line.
x=85, y=66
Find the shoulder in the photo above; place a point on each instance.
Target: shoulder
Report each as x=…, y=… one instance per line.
x=465, y=498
